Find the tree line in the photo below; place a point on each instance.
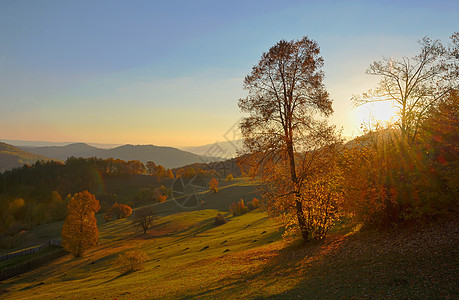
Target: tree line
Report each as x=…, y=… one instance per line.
x=76, y=174
x=40, y=193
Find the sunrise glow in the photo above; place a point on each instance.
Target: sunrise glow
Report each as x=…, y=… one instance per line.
x=383, y=112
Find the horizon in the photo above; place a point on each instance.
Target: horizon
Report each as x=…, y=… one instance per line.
x=33, y=144
x=171, y=73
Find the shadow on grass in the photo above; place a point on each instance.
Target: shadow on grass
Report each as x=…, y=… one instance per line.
x=351, y=264
x=290, y=264
x=118, y=277
x=31, y=286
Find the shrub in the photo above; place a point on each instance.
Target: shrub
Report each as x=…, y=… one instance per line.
x=219, y=220
x=254, y=204
x=132, y=260
x=119, y=211
x=229, y=177
x=161, y=194
x=238, y=208
x=213, y=185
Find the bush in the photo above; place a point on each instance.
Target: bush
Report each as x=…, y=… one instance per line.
x=119, y=211
x=254, y=204
x=238, y=208
x=229, y=177
x=219, y=220
x=161, y=194
x=213, y=185
x=132, y=260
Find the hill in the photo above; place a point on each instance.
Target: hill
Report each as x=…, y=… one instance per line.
x=166, y=156
x=21, y=143
x=246, y=258
x=63, y=152
x=13, y=157
x=227, y=149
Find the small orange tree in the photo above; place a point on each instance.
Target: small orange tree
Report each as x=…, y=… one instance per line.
x=161, y=194
x=79, y=231
x=238, y=208
x=213, y=185
x=132, y=260
x=118, y=211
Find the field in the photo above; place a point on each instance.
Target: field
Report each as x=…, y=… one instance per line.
x=189, y=257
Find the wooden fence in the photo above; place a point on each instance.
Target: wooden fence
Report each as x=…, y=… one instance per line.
x=31, y=250
x=30, y=265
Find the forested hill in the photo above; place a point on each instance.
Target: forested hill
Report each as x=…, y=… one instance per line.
x=13, y=157
x=63, y=152
x=166, y=156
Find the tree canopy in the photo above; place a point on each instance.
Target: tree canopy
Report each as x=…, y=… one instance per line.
x=413, y=85
x=79, y=231
x=283, y=129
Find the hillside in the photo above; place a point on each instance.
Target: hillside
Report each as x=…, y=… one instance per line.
x=225, y=149
x=22, y=143
x=63, y=152
x=246, y=258
x=166, y=156
x=13, y=157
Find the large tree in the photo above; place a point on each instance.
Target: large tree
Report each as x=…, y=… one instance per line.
x=413, y=85
x=79, y=231
x=283, y=135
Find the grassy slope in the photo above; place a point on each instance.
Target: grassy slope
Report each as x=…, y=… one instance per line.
x=413, y=262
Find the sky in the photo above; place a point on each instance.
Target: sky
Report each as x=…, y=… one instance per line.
x=171, y=72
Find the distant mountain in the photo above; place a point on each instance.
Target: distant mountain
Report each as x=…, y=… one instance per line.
x=166, y=156
x=21, y=143
x=225, y=149
x=63, y=152
x=13, y=157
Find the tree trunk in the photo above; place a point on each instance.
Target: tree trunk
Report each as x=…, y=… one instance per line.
x=301, y=220
x=299, y=204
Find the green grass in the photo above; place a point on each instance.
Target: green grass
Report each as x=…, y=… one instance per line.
x=186, y=253
x=246, y=258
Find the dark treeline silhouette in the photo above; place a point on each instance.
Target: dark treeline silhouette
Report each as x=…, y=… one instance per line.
x=219, y=169
x=74, y=175
x=40, y=193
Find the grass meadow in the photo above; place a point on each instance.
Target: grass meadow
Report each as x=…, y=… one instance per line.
x=189, y=257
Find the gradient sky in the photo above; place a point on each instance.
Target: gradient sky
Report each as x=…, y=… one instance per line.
x=170, y=72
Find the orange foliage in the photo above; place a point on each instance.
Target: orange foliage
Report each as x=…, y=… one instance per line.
x=79, y=231
x=283, y=140
x=132, y=260
x=238, y=208
x=254, y=204
x=229, y=177
x=118, y=211
x=388, y=180
x=213, y=185
x=161, y=194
